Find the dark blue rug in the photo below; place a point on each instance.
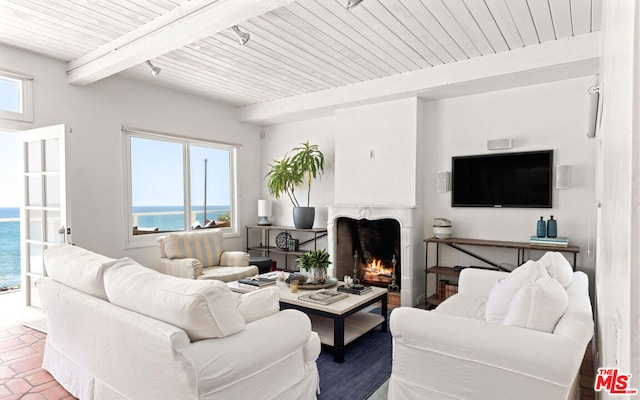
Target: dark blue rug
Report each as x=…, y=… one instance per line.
x=366, y=366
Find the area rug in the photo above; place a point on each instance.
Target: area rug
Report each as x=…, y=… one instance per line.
x=366, y=366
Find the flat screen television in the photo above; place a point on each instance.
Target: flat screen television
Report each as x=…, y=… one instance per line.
x=521, y=180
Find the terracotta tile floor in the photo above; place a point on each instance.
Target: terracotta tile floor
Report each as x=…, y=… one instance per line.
x=21, y=374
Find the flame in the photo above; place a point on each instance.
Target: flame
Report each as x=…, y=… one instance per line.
x=375, y=267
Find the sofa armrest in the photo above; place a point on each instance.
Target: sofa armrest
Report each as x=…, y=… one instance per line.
x=234, y=259
x=285, y=335
x=478, y=281
x=181, y=267
x=466, y=358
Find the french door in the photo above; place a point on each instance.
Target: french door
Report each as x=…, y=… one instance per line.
x=43, y=213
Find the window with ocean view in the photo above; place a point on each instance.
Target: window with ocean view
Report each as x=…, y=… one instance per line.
x=9, y=213
x=178, y=184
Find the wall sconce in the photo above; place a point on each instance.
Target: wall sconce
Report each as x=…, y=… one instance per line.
x=264, y=212
x=444, y=181
x=562, y=177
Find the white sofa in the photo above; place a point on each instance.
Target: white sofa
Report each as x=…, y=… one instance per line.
x=201, y=255
x=118, y=330
x=453, y=352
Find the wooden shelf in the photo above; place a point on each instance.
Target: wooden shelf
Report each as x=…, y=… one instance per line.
x=267, y=249
x=503, y=244
x=455, y=243
x=286, y=228
x=443, y=271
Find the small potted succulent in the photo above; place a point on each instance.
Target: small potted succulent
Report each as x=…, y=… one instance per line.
x=315, y=264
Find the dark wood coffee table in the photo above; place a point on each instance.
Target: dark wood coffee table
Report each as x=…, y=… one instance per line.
x=339, y=323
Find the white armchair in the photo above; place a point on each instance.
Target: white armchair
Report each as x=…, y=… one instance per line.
x=201, y=255
x=453, y=352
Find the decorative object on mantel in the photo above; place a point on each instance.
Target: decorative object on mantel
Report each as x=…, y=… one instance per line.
x=442, y=228
x=264, y=212
x=305, y=164
x=315, y=264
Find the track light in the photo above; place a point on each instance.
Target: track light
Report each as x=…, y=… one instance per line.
x=243, y=37
x=353, y=3
x=154, y=70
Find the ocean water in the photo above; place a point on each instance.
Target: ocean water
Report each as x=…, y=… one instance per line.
x=163, y=217
x=169, y=218
x=9, y=247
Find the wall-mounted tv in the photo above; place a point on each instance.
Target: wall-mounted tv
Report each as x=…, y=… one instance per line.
x=502, y=180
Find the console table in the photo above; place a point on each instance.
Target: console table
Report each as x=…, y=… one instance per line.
x=456, y=244
x=267, y=248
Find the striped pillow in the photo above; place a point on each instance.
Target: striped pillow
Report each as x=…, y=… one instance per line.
x=205, y=246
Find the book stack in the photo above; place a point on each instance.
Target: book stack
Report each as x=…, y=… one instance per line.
x=442, y=283
x=547, y=241
x=450, y=290
x=257, y=281
x=355, y=289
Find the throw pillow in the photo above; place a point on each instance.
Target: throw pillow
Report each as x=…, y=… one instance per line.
x=203, y=309
x=503, y=291
x=558, y=267
x=538, y=305
x=205, y=246
x=259, y=304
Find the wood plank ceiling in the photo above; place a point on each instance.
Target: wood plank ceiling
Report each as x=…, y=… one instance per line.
x=305, y=46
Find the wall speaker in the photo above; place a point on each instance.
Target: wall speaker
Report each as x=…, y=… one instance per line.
x=499, y=144
x=444, y=181
x=562, y=177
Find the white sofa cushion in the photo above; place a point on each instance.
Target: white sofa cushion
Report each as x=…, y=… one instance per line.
x=259, y=304
x=78, y=268
x=203, y=309
x=464, y=305
x=503, y=290
x=558, y=267
x=538, y=305
x=206, y=246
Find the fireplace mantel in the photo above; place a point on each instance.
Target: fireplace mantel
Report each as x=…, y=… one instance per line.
x=405, y=215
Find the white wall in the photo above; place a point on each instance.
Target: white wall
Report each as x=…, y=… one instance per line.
x=547, y=116
x=376, y=154
x=96, y=114
x=618, y=261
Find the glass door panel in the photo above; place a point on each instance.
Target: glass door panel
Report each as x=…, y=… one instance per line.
x=43, y=214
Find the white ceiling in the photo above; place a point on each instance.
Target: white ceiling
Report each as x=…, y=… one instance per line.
x=296, y=47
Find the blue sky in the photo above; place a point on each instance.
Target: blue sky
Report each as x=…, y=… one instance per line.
x=157, y=177
x=9, y=177
x=9, y=95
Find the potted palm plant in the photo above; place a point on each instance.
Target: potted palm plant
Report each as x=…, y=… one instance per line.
x=315, y=264
x=299, y=166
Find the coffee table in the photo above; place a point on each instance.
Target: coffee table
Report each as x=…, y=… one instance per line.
x=339, y=323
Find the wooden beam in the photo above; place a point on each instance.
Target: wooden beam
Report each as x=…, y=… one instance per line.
x=547, y=62
x=184, y=24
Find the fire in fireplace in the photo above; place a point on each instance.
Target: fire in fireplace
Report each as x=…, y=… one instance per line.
x=368, y=251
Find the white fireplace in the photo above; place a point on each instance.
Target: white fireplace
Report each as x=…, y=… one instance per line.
x=412, y=270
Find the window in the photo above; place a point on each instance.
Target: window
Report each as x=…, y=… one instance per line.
x=16, y=97
x=164, y=173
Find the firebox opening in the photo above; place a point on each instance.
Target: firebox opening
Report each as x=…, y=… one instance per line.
x=369, y=250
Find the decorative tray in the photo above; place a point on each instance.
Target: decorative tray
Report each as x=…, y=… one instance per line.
x=309, y=286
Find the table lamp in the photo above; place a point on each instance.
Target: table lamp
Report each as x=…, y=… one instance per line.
x=264, y=212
